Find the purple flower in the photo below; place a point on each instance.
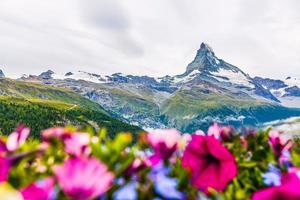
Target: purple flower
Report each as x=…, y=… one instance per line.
x=127, y=192
x=164, y=185
x=17, y=138
x=272, y=177
x=285, y=158
x=83, y=178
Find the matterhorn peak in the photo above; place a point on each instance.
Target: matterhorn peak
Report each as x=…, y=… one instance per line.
x=205, y=49
x=204, y=59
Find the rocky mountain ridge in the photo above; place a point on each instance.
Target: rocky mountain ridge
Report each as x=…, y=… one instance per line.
x=209, y=90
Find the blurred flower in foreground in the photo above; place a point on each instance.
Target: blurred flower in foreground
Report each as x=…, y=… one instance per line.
x=215, y=131
x=4, y=169
x=7, y=192
x=165, y=186
x=83, y=178
x=42, y=190
x=17, y=138
x=288, y=190
x=220, y=132
x=164, y=143
x=127, y=192
x=272, y=177
x=285, y=158
x=78, y=144
x=278, y=142
x=137, y=165
x=54, y=133
x=210, y=163
x=3, y=147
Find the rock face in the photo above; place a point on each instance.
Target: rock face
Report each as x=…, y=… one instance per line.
x=209, y=90
x=1, y=74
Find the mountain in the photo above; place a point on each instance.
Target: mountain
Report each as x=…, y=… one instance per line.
x=287, y=91
x=41, y=107
x=209, y=90
x=1, y=74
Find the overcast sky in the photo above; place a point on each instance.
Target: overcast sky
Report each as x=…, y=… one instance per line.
x=153, y=37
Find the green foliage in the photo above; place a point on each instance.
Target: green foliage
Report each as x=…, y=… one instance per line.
x=41, y=114
x=40, y=107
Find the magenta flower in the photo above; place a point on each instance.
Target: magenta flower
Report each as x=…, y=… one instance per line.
x=278, y=142
x=17, y=138
x=288, y=190
x=211, y=165
x=164, y=143
x=4, y=169
x=83, y=178
x=3, y=147
x=42, y=190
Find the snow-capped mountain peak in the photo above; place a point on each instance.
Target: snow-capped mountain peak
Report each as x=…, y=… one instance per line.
x=205, y=60
x=78, y=75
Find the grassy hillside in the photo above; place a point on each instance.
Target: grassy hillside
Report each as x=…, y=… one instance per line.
x=27, y=90
x=192, y=109
x=40, y=107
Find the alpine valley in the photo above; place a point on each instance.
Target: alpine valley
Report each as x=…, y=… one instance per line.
x=209, y=90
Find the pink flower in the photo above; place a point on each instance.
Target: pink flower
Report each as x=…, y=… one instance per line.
x=215, y=130
x=164, y=143
x=54, y=133
x=210, y=163
x=77, y=144
x=137, y=165
x=278, y=142
x=83, y=178
x=42, y=190
x=288, y=190
x=4, y=169
x=220, y=132
x=17, y=138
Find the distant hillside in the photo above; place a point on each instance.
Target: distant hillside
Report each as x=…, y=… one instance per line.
x=39, y=107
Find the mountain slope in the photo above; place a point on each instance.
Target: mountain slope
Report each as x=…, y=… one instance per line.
x=209, y=90
x=40, y=107
x=287, y=91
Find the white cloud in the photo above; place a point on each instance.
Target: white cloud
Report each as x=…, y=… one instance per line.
x=154, y=37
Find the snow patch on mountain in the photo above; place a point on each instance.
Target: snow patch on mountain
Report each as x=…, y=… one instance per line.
x=187, y=78
x=81, y=75
x=233, y=77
